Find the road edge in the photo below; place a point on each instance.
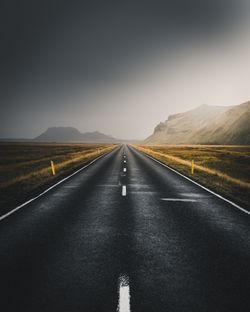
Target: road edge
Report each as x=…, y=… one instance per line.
x=7, y=214
x=196, y=183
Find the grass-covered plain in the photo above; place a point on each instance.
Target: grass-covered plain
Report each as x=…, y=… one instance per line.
x=224, y=169
x=25, y=167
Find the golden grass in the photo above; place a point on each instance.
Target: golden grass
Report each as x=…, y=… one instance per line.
x=187, y=163
x=225, y=169
x=25, y=168
x=74, y=158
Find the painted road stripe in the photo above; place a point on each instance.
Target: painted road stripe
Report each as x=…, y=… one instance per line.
x=124, y=169
x=201, y=186
x=124, y=190
x=124, y=161
x=124, y=294
x=50, y=188
x=179, y=199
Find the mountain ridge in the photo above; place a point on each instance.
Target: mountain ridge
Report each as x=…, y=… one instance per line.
x=71, y=134
x=205, y=125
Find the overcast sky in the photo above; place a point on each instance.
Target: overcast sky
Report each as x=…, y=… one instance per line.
x=119, y=67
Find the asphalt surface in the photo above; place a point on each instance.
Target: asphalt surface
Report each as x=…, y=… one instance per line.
x=177, y=247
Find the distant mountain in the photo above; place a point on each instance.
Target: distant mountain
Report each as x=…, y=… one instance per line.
x=205, y=125
x=70, y=134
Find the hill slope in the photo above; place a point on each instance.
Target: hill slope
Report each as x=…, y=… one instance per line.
x=205, y=125
x=70, y=134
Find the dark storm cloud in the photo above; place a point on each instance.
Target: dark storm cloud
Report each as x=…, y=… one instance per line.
x=50, y=48
x=82, y=37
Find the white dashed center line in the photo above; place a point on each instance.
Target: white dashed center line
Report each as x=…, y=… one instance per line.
x=124, y=190
x=124, y=294
x=124, y=161
x=124, y=169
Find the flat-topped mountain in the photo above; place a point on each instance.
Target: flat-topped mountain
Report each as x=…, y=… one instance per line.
x=205, y=125
x=70, y=134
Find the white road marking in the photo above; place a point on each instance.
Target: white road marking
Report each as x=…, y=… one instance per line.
x=124, y=294
x=124, y=190
x=201, y=186
x=50, y=188
x=124, y=169
x=124, y=161
x=179, y=199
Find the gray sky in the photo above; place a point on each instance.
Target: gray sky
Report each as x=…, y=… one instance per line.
x=119, y=67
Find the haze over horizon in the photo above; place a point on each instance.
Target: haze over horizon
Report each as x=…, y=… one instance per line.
x=119, y=68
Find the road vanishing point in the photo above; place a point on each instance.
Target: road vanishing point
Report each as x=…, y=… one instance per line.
x=125, y=234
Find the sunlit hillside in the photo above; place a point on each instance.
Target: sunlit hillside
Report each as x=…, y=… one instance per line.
x=206, y=125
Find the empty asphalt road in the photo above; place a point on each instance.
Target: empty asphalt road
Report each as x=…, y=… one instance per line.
x=125, y=234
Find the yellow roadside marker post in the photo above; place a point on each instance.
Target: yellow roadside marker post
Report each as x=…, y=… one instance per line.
x=52, y=167
x=192, y=167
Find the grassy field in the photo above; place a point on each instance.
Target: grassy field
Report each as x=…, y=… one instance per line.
x=25, y=167
x=224, y=169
